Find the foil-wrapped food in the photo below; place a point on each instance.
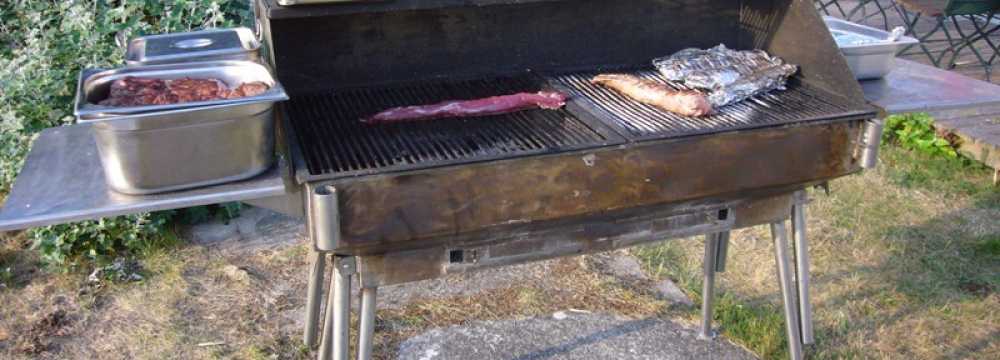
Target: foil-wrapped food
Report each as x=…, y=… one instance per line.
x=728, y=76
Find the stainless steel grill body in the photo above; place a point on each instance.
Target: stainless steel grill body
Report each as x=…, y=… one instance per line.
x=412, y=185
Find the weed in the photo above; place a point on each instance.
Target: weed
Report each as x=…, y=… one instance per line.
x=989, y=246
x=915, y=131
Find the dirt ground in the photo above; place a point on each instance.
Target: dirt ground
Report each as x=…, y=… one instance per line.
x=199, y=302
x=899, y=272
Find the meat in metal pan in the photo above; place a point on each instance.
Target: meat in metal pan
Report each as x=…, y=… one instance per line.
x=139, y=91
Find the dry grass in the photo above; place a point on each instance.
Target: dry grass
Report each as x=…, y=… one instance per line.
x=190, y=306
x=198, y=303
x=906, y=264
x=903, y=266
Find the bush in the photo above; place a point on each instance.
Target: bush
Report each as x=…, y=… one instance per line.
x=916, y=132
x=43, y=46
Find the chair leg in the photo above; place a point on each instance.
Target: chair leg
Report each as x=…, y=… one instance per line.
x=780, y=235
x=824, y=6
x=885, y=15
x=314, y=296
x=863, y=7
x=910, y=22
x=708, y=285
x=983, y=33
x=964, y=41
x=924, y=40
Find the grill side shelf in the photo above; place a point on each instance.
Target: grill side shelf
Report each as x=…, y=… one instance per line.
x=62, y=181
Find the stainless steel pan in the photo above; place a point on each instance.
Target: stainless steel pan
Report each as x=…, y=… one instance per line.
x=94, y=85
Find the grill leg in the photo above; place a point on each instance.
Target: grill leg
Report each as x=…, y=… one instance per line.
x=780, y=235
x=802, y=269
x=336, y=330
x=722, y=252
x=314, y=296
x=708, y=285
x=367, y=323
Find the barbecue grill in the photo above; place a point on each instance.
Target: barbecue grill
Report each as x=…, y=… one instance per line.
x=411, y=201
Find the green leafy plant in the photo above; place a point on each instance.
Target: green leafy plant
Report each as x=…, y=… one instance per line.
x=916, y=131
x=43, y=46
x=101, y=241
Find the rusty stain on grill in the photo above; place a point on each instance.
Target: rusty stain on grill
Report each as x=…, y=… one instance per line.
x=334, y=141
x=799, y=103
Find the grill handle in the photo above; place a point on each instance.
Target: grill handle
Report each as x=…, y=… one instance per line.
x=870, y=143
x=325, y=217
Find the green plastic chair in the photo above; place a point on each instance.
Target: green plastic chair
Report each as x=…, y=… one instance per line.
x=950, y=17
x=862, y=12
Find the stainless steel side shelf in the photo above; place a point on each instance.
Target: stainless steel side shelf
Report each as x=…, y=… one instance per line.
x=62, y=181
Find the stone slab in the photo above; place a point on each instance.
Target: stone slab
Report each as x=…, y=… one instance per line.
x=915, y=87
x=572, y=336
x=968, y=107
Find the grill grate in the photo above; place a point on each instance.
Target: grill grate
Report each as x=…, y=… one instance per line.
x=799, y=103
x=335, y=143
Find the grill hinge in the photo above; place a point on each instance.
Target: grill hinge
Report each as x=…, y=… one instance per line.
x=870, y=143
x=325, y=218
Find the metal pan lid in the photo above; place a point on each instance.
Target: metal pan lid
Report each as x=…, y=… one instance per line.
x=215, y=44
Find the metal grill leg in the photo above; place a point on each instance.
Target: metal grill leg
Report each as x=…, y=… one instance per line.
x=708, y=285
x=780, y=235
x=367, y=323
x=802, y=268
x=336, y=327
x=314, y=296
x=722, y=252
x=326, y=345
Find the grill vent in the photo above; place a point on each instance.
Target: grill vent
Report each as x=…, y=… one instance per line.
x=799, y=103
x=334, y=141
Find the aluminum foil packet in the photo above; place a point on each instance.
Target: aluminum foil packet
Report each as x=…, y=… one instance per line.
x=729, y=76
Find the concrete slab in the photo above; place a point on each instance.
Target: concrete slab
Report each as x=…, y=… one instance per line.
x=254, y=230
x=965, y=106
x=572, y=336
x=915, y=87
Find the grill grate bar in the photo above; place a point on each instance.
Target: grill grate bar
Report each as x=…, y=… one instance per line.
x=335, y=143
x=798, y=103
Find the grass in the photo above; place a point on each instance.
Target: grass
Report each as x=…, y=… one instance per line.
x=905, y=264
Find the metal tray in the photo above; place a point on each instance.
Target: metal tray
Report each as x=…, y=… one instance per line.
x=871, y=60
x=94, y=86
x=180, y=149
x=205, y=45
